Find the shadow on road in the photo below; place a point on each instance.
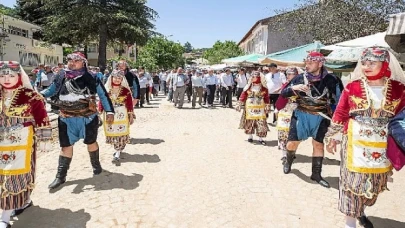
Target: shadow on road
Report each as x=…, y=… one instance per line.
x=41, y=217
x=386, y=223
x=272, y=143
x=139, y=158
x=146, y=141
x=308, y=159
x=333, y=181
x=105, y=181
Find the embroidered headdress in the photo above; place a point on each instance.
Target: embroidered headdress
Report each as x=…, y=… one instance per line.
x=291, y=70
x=117, y=73
x=14, y=67
x=390, y=69
x=315, y=56
x=77, y=56
x=375, y=54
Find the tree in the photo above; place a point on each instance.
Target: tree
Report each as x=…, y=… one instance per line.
x=4, y=10
x=106, y=21
x=187, y=47
x=31, y=11
x=160, y=52
x=333, y=21
x=222, y=50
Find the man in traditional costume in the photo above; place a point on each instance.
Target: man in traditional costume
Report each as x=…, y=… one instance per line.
x=78, y=117
x=316, y=90
x=286, y=106
x=375, y=95
x=24, y=126
x=255, y=102
x=121, y=97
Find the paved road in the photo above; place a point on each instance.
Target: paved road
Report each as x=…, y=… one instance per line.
x=194, y=168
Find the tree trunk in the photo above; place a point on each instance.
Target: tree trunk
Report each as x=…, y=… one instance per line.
x=121, y=49
x=85, y=49
x=102, y=43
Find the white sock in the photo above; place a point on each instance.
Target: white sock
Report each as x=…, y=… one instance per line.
x=117, y=154
x=284, y=153
x=350, y=222
x=250, y=136
x=5, y=217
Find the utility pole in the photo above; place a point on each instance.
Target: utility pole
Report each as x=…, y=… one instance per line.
x=3, y=38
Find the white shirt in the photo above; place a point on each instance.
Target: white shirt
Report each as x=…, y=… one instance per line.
x=163, y=77
x=275, y=82
x=197, y=81
x=227, y=80
x=211, y=80
x=143, y=81
x=242, y=80
x=180, y=81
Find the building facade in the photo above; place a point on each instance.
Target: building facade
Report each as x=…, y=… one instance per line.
x=17, y=44
x=266, y=37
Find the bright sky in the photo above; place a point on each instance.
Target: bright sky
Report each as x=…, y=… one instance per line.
x=202, y=23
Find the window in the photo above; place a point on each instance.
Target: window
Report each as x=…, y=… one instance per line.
x=17, y=31
x=92, y=48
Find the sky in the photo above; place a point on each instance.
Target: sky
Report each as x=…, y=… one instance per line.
x=203, y=22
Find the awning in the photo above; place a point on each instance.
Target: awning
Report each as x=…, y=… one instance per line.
x=251, y=58
x=291, y=57
x=396, y=33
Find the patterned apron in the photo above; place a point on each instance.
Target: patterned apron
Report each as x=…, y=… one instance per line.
x=255, y=108
x=15, y=150
x=120, y=127
x=367, y=145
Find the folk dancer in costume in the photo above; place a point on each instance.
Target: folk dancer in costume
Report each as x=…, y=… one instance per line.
x=286, y=106
x=121, y=97
x=255, y=102
x=375, y=95
x=24, y=128
x=78, y=117
x=316, y=90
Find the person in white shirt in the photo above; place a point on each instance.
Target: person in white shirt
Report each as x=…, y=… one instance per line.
x=169, y=82
x=180, y=82
x=227, y=86
x=242, y=79
x=143, y=84
x=211, y=82
x=163, y=78
x=275, y=81
x=197, y=82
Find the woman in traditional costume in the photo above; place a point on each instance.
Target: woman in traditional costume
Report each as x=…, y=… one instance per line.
x=255, y=102
x=286, y=106
x=375, y=94
x=121, y=97
x=24, y=125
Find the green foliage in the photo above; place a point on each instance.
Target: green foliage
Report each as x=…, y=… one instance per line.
x=130, y=61
x=82, y=21
x=222, y=50
x=187, y=47
x=333, y=21
x=160, y=52
x=4, y=10
x=67, y=51
x=31, y=11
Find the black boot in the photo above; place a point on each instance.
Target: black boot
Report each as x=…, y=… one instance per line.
x=316, y=172
x=95, y=162
x=365, y=222
x=64, y=163
x=289, y=161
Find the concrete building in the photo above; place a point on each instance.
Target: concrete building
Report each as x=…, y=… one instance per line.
x=265, y=37
x=92, y=53
x=17, y=44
